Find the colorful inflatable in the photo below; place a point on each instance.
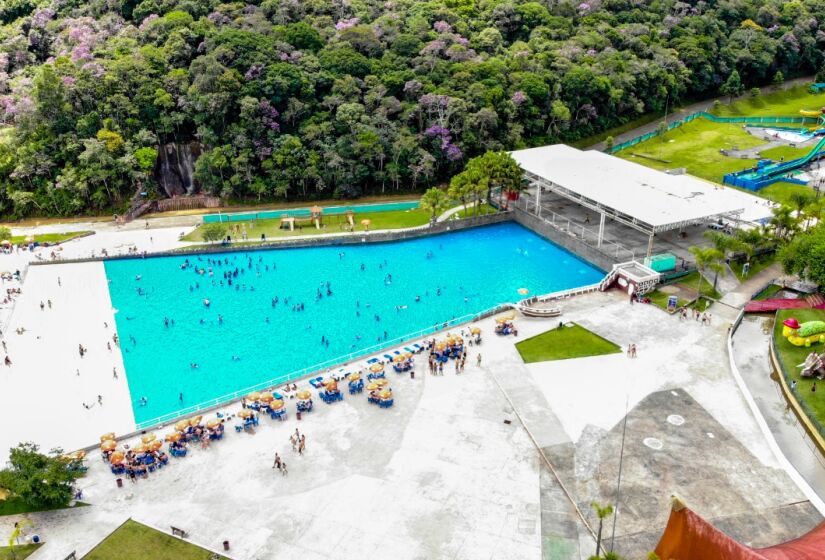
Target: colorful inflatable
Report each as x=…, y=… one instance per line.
x=805, y=334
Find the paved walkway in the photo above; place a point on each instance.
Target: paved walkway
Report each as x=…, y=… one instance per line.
x=742, y=294
x=751, y=354
x=683, y=112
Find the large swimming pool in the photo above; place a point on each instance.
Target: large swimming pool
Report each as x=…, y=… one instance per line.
x=351, y=297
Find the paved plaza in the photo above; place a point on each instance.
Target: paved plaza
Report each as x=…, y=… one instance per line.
x=500, y=462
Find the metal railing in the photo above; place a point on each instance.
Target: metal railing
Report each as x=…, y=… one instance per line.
x=610, y=249
x=326, y=364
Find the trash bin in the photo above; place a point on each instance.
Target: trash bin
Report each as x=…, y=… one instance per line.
x=412, y=374
x=119, y=482
x=226, y=545
x=298, y=415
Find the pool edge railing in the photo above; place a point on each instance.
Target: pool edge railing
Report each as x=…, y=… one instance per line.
x=319, y=367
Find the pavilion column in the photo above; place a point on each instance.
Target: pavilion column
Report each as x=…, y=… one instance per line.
x=650, y=245
x=538, y=198
x=601, y=229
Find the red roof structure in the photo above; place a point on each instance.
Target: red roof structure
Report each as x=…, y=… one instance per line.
x=689, y=537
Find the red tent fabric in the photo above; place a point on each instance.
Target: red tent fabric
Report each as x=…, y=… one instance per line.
x=765, y=305
x=689, y=537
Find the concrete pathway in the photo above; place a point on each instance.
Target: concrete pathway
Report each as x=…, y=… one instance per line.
x=751, y=355
x=743, y=293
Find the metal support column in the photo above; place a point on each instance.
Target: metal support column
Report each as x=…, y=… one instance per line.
x=650, y=245
x=538, y=198
x=601, y=229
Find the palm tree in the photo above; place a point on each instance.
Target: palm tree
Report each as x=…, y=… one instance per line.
x=602, y=512
x=725, y=244
x=435, y=201
x=784, y=223
x=707, y=259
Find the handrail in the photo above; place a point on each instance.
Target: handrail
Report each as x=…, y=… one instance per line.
x=291, y=376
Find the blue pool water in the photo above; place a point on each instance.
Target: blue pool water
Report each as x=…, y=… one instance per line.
x=303, y=212
x=472, y=270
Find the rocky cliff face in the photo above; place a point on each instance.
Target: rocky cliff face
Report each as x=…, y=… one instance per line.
x=175, y=168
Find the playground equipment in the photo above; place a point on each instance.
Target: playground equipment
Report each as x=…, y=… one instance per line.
x=767, y=171
x=804, y=334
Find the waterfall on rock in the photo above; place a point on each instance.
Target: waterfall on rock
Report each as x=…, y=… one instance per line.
x=175, y=168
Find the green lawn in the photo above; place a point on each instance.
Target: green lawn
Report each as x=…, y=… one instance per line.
x=20, y=552
x=482, y=210
x=393, y=219
x=14, y=506
x=659, y=299
x=768, y=292
x=782, y=103
x=695, y=146
x=691, y=281
x=785, y=153
x=133, y=541
x=50, y=238
x=790, y=356
x=781, y=192
x=758, y=264
x=565, y=343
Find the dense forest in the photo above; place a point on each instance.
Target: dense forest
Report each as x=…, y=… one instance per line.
x=321, y=98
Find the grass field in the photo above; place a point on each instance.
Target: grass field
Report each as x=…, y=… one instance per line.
x=785, y=153
x=695, y=146
x=393, y=219
x=781, y=192
x=133, y=541
x=691, y=281
x=790, y=355
x=768, y=292
x=784, y=103
x=50, y=238
x=565, y=343
x=758, y=264
x=20, y=552
x=14, y=506
x=659, y=299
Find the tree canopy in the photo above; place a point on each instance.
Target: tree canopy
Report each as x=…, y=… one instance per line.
x=39, y=480
x=306, y=99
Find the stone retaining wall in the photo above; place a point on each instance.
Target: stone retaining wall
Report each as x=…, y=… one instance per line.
x=565, y=240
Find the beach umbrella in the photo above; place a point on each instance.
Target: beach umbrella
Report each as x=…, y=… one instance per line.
x=399, y=359
x=385, y=394
x=375, y=368
x=381, y=382
x=316, y=210
x=77, y=455
x=181, y=425
x=214, y=423
x=117, y=457
x=104, y=437
x=408, y=355
x=174, y=436
x=277, y=405
x=108, y=445
x=155, y=445
x=29, y=239
x=196, y=421
x=253, y=396
x=366, y=223
x=148, y=438
x=139, y=449
x=303, y=395
x=523, y=291
x=475, y=330
x=245, y=413
x=354, y=376
x=267, y=398
x=372, y=387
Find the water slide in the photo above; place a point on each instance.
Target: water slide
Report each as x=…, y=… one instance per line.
x=765, y=173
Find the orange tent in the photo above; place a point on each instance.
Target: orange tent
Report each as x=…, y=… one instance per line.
x=688, y=536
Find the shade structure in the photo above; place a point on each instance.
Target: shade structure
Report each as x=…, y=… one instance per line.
x=387, y=394
x=366, y=223
x=214, y=423
x=399, y=359
x=375, y=368
x=108, y=445
x=117, y=457
x=148, y=438
x=174, y=436
x=181, y=425
x=155, y=445
x=316, y=210
x=245, y=413
x=475, y=330
x=195, y=421
x=303, y=395
x=277, y=405
x=331, y=385
x=76, y=455
x=140, y=449
x=408, y=355
x=354, y=376
x=382, y=382
x=373, y=387
x=104, y=437
x=253, y=396
x=266, y=398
